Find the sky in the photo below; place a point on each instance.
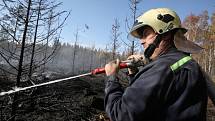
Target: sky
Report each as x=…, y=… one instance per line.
x=99, y=16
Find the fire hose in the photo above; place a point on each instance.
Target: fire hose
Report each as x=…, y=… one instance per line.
x=122, y=65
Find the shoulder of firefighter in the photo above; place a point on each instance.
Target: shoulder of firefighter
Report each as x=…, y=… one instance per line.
x=168, y=89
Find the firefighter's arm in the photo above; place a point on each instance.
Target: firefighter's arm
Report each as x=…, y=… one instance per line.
x=138, y=100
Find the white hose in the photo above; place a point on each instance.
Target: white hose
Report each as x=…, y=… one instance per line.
x=17, y=89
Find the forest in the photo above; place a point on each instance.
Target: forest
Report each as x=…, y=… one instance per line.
x=31, y=52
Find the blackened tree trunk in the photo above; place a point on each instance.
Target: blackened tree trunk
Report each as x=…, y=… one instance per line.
x=15, y=99
x=133, y=7
x=34, y=43
x=115, y=38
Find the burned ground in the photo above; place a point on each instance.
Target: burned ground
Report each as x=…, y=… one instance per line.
x=80, y=99
x=72, y=100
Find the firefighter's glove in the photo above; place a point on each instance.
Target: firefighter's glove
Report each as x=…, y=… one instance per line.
x=112, y=67
x=136, y=61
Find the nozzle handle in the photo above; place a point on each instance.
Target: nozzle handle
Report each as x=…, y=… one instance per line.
x=122, y=65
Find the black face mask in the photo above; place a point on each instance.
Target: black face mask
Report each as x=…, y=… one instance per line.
x=150, y=50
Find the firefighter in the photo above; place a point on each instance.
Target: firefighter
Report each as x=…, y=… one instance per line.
x=170, y=87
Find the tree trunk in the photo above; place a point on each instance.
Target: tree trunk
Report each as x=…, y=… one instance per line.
x=32, y=56
x=74, y=53
x=34, y=43
x=15, y=99
x=132, y=48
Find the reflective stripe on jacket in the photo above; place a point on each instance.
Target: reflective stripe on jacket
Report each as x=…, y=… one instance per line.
x=171, y=88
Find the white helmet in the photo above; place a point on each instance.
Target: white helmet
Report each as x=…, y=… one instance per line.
x=163, y=20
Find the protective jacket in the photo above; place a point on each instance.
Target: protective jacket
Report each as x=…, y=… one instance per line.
x=170, y=88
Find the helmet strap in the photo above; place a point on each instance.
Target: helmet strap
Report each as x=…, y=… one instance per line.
x=150, y=50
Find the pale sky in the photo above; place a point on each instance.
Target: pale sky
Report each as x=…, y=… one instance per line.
x=99, y=15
